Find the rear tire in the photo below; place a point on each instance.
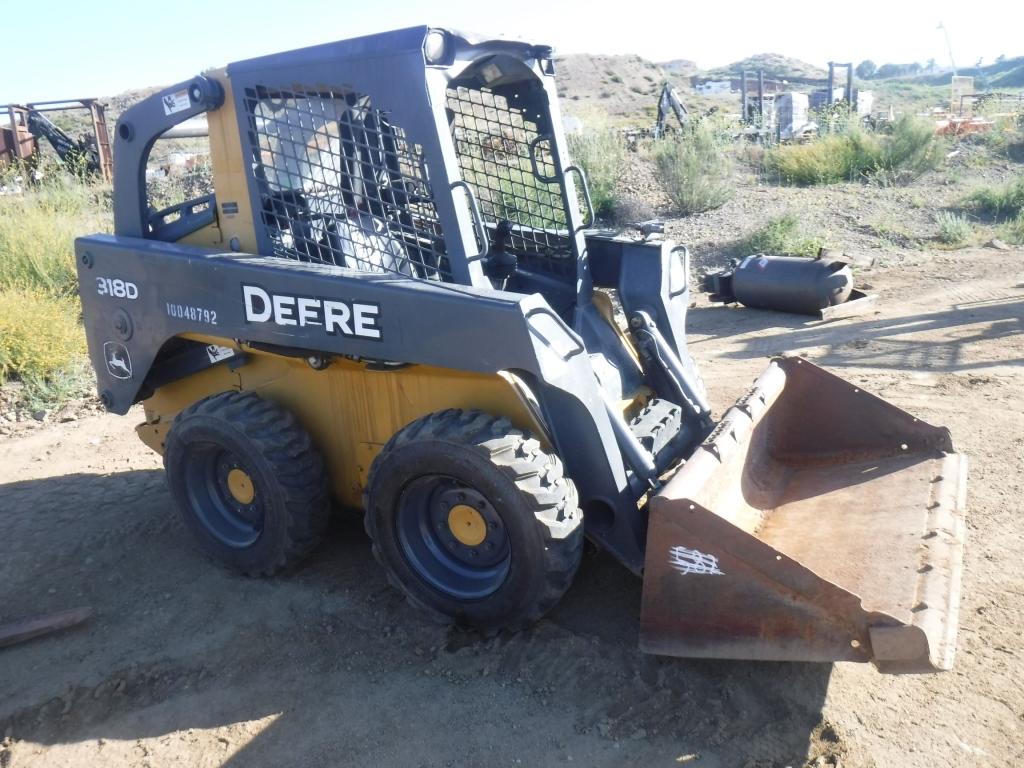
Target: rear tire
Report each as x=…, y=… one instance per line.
x=248, y=482
x=473, y=521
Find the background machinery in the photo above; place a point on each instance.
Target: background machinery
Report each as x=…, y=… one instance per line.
x=28, y=123
x=669, y=103
x=392, y=304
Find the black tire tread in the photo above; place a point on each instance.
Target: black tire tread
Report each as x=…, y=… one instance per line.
x=538, y=475
x=298, y=467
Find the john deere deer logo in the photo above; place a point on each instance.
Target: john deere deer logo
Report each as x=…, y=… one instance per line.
x=119, y=362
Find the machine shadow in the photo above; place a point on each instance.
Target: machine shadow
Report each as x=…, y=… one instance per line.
x=867, y=343
x=728, y=712
x=119, y=539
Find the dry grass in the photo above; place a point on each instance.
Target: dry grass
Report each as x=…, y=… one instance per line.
x=37, y=232
x=853, y=154
x=39, y=334
x=1013, y=230
x=783, y=236
x=1002, y=202
x=42, y=343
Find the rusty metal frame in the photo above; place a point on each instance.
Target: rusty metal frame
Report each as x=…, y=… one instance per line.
x=97, y=116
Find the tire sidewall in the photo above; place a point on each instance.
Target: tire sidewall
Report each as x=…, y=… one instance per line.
x=469, y=465
x=198, y=429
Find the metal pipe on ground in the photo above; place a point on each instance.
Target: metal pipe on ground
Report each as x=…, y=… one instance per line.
x=190, y=129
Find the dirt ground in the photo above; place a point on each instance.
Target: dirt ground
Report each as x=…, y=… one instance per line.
x=184, y=664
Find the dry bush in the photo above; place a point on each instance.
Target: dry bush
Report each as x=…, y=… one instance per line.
x=695, y=170
x=954, y=228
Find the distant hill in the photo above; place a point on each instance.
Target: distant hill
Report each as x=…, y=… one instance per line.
x=1011, y=78
x=680, y=66
x=119, y=103
x=775, y=66
x=624, y=89
x=618, y=86
x=1008, y=73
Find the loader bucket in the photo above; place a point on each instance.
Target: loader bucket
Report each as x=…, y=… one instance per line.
x=816, y=523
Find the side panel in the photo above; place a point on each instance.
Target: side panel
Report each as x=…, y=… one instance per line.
x=351, y=409
x=162, y=291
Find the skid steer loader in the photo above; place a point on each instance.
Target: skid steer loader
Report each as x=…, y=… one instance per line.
x=393, y=303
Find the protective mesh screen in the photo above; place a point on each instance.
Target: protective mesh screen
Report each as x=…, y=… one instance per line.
x=341, y=184
x=493, y=142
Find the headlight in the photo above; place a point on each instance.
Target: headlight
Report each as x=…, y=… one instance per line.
x=434, y=47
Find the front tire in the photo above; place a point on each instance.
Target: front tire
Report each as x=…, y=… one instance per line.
x=473, y=521
x=248, y=482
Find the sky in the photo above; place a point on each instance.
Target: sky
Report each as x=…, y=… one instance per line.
x=100, y=49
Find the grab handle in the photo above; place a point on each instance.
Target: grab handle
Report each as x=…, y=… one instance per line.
x=478, y=222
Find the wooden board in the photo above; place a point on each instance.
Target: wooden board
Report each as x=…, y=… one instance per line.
x=21, y=631
x=859, y=303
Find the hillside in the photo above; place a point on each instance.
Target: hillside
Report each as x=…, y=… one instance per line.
x=680, y=66
x=623, y=89
x=1008, y=73
x=615, y=86
x=775, y=66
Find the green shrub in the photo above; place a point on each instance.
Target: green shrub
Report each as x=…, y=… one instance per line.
x=1013, y=230
x=825, y=161
x=954, y=229
x=695, y=170
x=1003, y=138
x=899, y=156
x=40, y=336
x=602, y=154
x=907, y=152
x=1006, y=201
x=782, y=236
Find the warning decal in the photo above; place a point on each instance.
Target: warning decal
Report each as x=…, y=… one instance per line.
x=176, y=102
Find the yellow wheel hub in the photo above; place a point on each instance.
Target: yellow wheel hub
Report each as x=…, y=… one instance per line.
x=467, y=525
x=240, y=485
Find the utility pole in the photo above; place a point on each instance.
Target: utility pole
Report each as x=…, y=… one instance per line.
x=949, y=45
